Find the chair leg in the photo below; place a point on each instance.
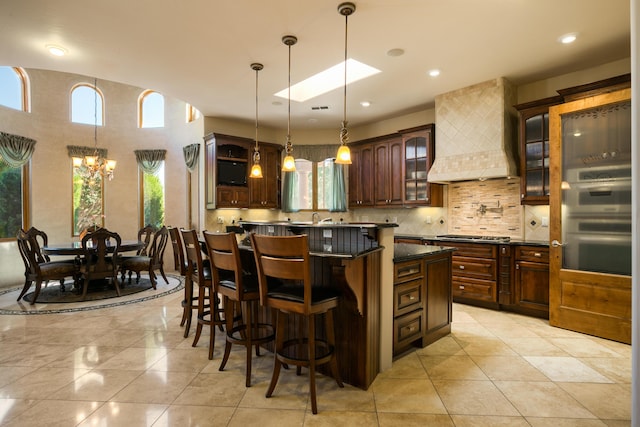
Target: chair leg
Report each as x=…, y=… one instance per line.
x=312, y=362
x=85, y=286
x=228, y=316
x=36, y=292
x=280, y=324
x=164, y=276
x=27, y=285
x=331, y=340
x=187, y=311
x=249, y=330
x=152, y=278
x=212, y=328
x=115, y=282
x=200, y=315
x=215, y=311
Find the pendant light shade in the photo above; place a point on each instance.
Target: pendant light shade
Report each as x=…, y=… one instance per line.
x=289, y=163
x=343, y=157
x=256, y=169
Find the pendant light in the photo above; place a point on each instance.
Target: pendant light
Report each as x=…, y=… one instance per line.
x=289, y=163
x=256, y=170
x=343, y=157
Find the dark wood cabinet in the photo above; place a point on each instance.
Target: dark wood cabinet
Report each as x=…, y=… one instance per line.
x=474, y=274
x=421, y=301
x=361, y=176
x=534, y=150
x=388, y=154
x=227, y=182
x=531, y=284
x=419, y=154
x=265, y=191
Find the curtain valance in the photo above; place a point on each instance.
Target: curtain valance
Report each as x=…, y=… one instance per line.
x=191, y=153
x=150, y=160
x=81, y=151
x=315, y=153
x=15, y=150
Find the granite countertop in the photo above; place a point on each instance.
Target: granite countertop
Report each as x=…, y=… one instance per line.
x=326, y=224
x=409, y=251
x=451, y=242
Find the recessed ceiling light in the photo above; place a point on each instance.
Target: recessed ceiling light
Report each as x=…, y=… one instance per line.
x=434, y=73
x=395, y=52
x=568, y=38
x=365, y=104
x=328, y=80
x=56, y=50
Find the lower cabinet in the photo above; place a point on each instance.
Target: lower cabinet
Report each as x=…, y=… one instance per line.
x=421, y=301
x=474, y=274
x=531, y=280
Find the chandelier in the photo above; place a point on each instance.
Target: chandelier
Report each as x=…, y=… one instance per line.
x=343, y=156
x=95, y=164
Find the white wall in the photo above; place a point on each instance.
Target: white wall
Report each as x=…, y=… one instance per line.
x=49, y=124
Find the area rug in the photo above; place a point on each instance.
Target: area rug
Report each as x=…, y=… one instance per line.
x=52, y=300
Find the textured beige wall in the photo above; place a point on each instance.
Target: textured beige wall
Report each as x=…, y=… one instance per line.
x=49, y=124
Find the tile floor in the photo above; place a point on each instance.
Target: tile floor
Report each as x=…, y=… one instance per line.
x=130, y=366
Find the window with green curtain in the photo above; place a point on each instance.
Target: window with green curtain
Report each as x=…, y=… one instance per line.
x=11, y=201
x=315, y=186
x=153, y=207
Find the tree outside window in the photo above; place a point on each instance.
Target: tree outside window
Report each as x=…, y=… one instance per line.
x=11, y=215
x=153, y=198
x=87, y=199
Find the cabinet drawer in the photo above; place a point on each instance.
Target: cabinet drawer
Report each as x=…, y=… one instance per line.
x=407, y=270
x=407, y=329
x=475, y=250
x=407, y=297
x=533, y=254
x=474, y=267
x=483, y=290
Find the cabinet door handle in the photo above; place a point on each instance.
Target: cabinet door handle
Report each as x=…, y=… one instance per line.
x=517, y=266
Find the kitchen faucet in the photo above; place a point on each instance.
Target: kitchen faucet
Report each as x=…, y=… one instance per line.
x=315, y=217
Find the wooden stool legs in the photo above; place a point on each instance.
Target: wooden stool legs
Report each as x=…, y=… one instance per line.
x=307, y=352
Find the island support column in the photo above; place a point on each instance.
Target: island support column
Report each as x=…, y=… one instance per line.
x=385, y=239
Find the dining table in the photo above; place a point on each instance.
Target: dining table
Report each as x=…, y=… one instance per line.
x=75, y=248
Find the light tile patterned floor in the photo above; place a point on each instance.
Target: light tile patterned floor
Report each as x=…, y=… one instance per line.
x=130, y=366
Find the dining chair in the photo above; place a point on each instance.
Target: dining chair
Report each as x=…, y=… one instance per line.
x=189, y=301
x=153, y=260
x=37, y=269
x=286, y=259
x=145, y=234
x=99, y=258
x=240, y=293
x=40, y=241
x=208, y=302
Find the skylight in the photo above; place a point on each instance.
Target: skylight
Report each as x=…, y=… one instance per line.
x=328, y=80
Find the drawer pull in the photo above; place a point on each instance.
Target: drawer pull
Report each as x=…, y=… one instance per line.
x=411, y=298
x=462, y=267
x=537, y=254
x=461, y=286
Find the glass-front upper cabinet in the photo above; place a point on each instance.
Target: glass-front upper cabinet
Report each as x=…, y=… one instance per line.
x=534, y=150
x=419, y=153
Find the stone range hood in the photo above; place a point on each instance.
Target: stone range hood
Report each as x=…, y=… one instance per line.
x=475, y=133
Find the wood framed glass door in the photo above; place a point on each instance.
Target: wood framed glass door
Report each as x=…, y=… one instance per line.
x=590, y=210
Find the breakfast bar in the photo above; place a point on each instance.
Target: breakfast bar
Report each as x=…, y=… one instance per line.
x=359, y=259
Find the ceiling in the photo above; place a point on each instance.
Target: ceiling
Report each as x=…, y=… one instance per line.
x=200, y=51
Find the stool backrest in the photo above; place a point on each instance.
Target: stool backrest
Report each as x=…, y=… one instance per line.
x=285, y=258
x=193, y=254
x=179, y=261
x=224, y=255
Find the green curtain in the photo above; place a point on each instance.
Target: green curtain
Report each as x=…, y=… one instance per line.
x=15, y=150
x=150, y=160
x=339, y=195
x=290, y=201
x=191, y=153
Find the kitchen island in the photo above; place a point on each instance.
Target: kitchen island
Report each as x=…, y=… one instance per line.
x=358, y=258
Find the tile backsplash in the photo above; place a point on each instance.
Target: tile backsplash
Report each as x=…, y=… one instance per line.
x=486, y=208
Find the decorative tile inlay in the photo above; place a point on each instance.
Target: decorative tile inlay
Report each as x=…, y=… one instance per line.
x=488, y=208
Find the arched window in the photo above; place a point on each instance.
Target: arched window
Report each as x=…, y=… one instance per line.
x=87, y=104
x=14, y=88
x=193, y=113
x=150, y=110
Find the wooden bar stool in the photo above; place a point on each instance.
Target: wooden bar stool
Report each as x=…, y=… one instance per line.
x=286, y=258
x=189, y=302
x=208, y=301
x=239, y=290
